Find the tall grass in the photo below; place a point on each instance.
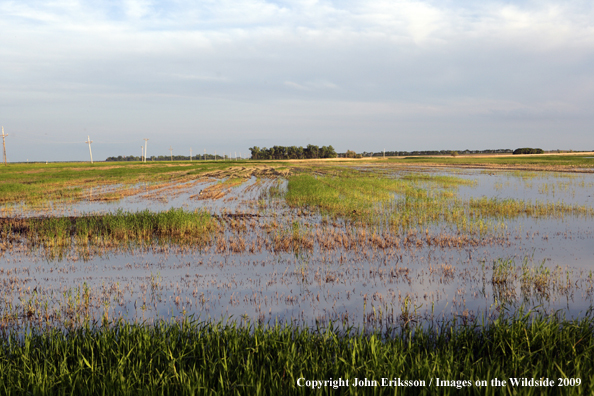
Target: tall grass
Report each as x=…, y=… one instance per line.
x=190, y=358
x=174, y=225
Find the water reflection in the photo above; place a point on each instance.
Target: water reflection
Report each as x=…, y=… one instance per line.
x=291, y=265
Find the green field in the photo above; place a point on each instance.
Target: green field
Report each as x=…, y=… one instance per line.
x=191, y=358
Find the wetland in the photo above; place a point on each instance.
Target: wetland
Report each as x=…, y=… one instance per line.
x=363, y=250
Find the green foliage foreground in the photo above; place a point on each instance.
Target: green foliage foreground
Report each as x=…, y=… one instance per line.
x=218, y=359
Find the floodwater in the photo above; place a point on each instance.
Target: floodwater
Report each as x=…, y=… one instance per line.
x=352, y=276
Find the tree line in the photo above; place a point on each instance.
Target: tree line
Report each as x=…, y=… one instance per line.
x=313, y=151
x=200, y=157
x=433, y=152
x=292, y=152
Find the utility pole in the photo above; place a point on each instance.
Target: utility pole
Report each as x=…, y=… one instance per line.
x=190, y=154
x=4, y=145
x=204, y=156
x=171, y=153
x=145, y=140
x=89, y=141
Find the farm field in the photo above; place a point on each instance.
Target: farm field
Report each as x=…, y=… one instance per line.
x=241, y=278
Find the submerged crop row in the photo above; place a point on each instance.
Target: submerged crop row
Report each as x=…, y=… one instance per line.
x=221, y=359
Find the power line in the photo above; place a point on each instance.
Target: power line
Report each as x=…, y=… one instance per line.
x=89, y=141
x=4, y=145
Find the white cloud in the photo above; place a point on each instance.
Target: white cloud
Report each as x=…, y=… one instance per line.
x=137, y=9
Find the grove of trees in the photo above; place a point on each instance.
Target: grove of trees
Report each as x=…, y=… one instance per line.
x=293, y=152
x=527, y=150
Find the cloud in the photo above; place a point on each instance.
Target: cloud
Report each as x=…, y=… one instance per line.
x=214, y=61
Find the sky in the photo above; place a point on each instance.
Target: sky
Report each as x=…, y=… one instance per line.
x=228, y=75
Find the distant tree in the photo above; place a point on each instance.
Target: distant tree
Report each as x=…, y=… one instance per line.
x=327, y=152
x=311, y=151
x=255, y=152
x=293, y=152
x=350, y=154
x=527, y=150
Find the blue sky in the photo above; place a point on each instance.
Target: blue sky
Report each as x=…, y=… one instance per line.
x=227, y=75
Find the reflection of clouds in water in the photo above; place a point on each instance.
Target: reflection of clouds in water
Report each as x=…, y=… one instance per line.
x=570, y=188
x=267, y=287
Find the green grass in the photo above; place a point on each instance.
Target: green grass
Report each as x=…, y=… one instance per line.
x=190, y=358
x=172, y=226
x=356, y=194
x=416, y=200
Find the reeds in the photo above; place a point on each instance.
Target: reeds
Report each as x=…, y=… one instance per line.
x=174, y=225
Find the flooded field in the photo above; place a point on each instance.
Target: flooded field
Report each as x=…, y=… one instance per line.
x=373, y=247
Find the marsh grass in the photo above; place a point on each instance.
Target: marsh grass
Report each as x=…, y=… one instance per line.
x=504, y=272
x=537, y=282
x=173, y=226
x=226, y=359
x=543, y=281
x=414, y=200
